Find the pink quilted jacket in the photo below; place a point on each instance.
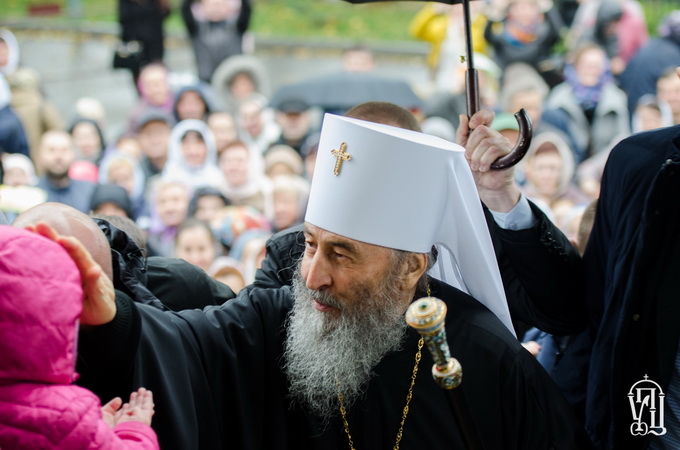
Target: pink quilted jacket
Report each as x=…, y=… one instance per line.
x=40, y=302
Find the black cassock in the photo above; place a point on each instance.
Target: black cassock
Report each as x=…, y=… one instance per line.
x=217, y=383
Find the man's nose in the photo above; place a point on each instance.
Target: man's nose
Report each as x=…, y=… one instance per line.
x=318, y=273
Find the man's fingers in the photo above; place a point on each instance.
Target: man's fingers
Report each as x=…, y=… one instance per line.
x=463, y=131
x=79, y=254
x=484, y=147
x=75, y=249
x=43, y=229
x=497, y=147
x=481, y=117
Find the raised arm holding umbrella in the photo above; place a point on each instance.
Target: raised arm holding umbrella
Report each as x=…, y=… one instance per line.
x=447, y=370
x=472, y=93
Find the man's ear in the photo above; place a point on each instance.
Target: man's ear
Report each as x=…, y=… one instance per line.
x=416, y=266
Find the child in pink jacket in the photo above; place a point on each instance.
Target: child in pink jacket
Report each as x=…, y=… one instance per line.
x=40, y=301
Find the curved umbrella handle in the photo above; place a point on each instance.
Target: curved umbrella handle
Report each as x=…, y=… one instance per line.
x=522, y=145
x=523, y=120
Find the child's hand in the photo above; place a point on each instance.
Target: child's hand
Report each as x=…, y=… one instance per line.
x=140, y=408
x=109, y=411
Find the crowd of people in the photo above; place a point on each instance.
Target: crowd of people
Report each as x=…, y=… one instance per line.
x=601, y=86
x=218, y=172
x=225, y=150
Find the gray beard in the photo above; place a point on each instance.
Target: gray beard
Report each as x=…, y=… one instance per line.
x=327, y=354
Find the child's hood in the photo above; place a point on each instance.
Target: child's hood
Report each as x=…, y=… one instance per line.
x=40, y=302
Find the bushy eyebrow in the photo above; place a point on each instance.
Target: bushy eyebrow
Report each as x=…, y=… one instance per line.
x=345, y=245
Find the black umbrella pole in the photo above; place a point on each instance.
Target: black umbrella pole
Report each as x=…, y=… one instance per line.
x=472, y=92
x=428, y=316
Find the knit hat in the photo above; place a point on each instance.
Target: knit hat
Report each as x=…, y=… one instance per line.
x=283, y=154
x=111, y=193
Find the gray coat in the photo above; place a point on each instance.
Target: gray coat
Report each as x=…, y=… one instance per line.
x=610, y=121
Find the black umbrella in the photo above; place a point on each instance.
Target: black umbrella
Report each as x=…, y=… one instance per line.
x=341, y=90
x=472, y=92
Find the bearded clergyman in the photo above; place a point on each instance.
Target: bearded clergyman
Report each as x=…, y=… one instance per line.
x=330, y=363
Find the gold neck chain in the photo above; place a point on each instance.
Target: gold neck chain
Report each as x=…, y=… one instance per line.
x=404, y=414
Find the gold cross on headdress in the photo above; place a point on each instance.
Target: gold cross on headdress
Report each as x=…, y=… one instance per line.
x=341, y=156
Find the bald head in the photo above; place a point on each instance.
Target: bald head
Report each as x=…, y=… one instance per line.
x=385, y=113
x=68, y=221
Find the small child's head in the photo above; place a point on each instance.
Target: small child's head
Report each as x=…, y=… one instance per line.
x=196, y=244
x=40, y=303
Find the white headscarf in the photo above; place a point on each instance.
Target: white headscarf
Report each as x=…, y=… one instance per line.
x=13, y=50
x=177, y=169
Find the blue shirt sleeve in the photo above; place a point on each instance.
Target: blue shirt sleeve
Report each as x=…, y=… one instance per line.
x=518, y=218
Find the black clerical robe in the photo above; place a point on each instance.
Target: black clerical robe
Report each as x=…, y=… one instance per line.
x=217, y=381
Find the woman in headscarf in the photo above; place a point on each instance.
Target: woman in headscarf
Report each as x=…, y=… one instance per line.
x=548, y=169
x=88, y=138
x=192, y=157
x=588, y=105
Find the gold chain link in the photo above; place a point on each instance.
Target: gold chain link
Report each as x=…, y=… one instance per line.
x=343, y=413
x=404, y=414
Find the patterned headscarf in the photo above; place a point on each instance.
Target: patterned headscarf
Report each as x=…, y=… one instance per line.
x=587, y=96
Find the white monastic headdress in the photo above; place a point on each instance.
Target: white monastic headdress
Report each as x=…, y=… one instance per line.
x=409, y=191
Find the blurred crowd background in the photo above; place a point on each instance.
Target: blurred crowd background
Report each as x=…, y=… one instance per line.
x=205, y=159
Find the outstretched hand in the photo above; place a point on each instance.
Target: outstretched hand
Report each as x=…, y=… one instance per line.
x=483, y=146
x=140, y=408
x=99, y=297
x=109, y=411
